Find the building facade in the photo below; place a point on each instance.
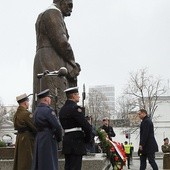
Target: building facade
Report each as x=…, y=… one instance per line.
x=161, y=121
x=108, y=92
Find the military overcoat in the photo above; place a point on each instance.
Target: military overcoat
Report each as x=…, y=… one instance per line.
x=48, y=133
x=23, y=123
x=166, y=157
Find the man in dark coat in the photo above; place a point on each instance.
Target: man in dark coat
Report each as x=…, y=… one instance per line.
x=77, y=130
x=108, y=129
x=53, y=51
x=26, y=130
x=147, y=145
x=48, y=134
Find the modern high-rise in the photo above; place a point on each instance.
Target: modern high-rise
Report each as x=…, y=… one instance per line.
x=108, y=92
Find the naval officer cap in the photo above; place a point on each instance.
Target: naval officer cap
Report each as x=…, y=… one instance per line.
x=22, y=98
x=44, y=93
x=71, y=90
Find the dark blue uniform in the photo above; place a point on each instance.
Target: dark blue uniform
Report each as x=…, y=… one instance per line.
x=49, y=132
x=90, y=147
x=71, y=116
x=148, y=143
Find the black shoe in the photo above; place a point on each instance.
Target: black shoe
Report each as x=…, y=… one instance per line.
x=128, y=167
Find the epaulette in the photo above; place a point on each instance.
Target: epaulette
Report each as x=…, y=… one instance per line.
x=79, y=109
x=30, y=115
x=53, y=113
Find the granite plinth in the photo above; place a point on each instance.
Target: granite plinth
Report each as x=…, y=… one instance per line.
x=7, y=152
x=6, y=164
x=91, y=162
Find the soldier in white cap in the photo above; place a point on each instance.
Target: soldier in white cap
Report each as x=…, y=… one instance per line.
x=77, y=130
x=26, y=130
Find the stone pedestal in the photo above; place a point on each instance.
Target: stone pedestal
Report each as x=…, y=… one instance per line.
x=6, y=164
x=90, y=162
x=96, y=162
x=7, y=153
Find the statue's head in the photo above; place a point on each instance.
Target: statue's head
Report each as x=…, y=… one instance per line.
x=65, y=6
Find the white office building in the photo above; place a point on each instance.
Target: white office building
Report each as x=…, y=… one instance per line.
x=108, y=91
x=161, y=121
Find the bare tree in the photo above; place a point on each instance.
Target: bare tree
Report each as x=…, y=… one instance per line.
x=2, y=113
x=97, y=106
x=146, y=89
x=11, y=113
x=6, y=113
x=125, y=105
x=126, y=112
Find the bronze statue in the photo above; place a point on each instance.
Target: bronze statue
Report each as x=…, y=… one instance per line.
x=53, y=51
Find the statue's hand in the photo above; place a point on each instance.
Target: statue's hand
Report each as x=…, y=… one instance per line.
x=78, y=65
x=75, y=71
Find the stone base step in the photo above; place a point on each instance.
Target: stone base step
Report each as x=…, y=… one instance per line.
x=91, y=162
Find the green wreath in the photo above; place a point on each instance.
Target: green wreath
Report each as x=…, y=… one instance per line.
x=110, y=151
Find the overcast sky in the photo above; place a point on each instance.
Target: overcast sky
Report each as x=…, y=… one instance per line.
x=109, y=38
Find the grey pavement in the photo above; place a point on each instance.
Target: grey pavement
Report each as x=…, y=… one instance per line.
x=136, y=163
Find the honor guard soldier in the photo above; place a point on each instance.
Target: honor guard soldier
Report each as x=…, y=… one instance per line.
x=166, y=150
x=26, y=130
x=49, y=132
x=77, y=130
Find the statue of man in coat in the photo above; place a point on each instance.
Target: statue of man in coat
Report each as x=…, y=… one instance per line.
x=53, y=51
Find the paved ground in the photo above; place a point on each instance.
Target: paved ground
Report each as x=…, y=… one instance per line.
x=136, y=162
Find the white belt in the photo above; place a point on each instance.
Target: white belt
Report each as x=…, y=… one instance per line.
x=73, y=129
x=166, y=153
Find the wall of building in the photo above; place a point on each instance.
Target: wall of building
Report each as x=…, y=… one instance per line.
x=161, y=122
x=109, y=92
